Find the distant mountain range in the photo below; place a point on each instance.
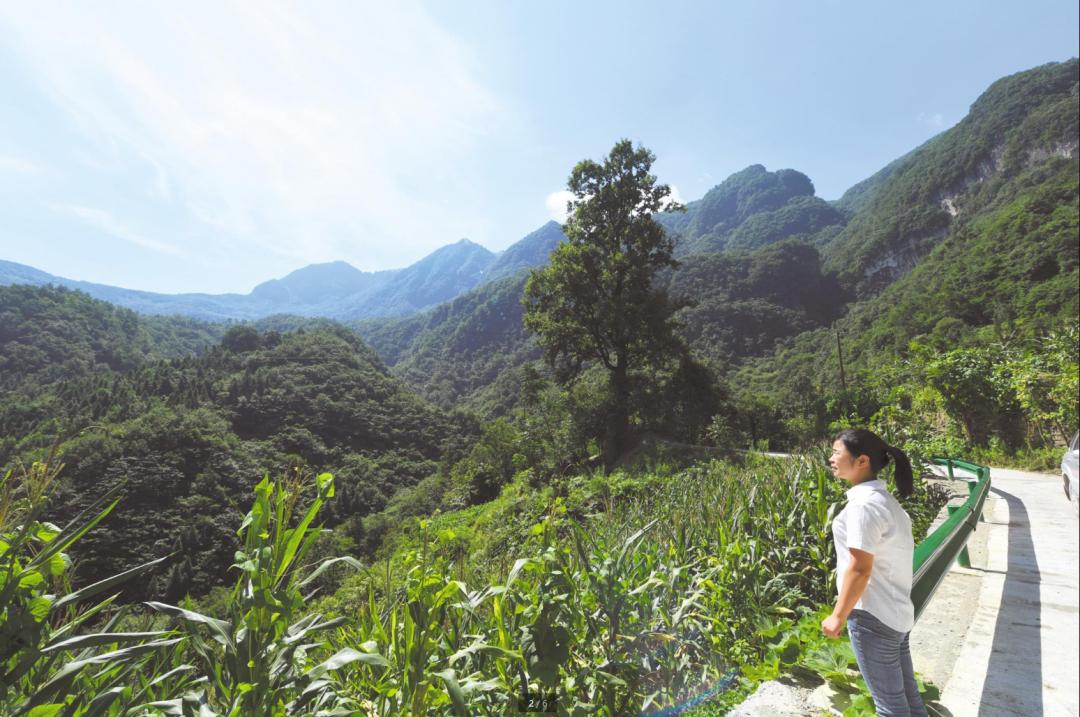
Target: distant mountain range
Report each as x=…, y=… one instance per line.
x=334, y=290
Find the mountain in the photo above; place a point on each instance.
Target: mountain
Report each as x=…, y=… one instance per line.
x=467, y=351
x=334, y=290
x=214, y=307
x=313, y=284
x=185, y=439
x=966, y=251
x=1019, y=122
x=750, y=209
x=471, y=351
x=532, y=251
x=434, y=279
x=763, y=259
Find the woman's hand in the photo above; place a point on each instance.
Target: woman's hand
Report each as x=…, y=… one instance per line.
x=832, y=626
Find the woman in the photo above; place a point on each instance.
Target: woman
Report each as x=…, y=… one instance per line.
x=874, y=550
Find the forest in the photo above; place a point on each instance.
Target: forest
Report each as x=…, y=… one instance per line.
x=549, y=487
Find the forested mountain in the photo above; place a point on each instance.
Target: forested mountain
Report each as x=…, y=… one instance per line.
x=187, y=437
x=750, y=209
x=1020, y=122
x=334, y=290
x=1005, y=249
x=469, y=351
x=977, y=315
x=744, y=302
x=943, y=272
x=532, y=251
x=434, y=279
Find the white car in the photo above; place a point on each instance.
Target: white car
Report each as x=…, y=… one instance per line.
x=1070, y=467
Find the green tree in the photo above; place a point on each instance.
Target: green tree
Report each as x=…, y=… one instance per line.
x=596, y=302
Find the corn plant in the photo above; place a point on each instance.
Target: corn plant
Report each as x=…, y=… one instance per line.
x=52, y=659
x=260, y=659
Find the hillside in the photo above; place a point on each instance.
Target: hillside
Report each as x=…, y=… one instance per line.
x=469, y=351
x=1005, y=251
x=751, y=209
x=1002, y=277
x=1020, y=122
x=744, y=302
x=334, y=290
x=532, y=251
x=187, y=437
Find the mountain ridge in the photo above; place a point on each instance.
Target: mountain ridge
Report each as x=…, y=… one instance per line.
x=334, y=290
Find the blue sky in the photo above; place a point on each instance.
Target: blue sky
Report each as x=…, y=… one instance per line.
x=208, y=147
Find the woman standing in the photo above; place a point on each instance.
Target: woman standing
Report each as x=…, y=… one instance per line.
x=874, y=550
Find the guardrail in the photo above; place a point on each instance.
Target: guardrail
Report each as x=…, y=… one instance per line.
x=936, y=553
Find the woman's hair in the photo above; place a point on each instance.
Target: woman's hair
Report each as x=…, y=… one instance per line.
x=861, y=442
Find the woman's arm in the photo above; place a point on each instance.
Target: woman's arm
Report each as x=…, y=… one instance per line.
x=856, y=577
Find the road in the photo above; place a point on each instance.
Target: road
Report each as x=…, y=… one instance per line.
x=1000, y=638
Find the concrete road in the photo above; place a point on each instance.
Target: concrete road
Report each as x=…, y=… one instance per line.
x=1001, y=638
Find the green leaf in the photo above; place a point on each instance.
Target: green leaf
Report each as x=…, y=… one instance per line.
x=49, y=710
x=61, y=544
x=39, y=607
x=457, y=697
x=295, y=536
x=220, y=630
x=325, y=482
x=348, y=559
x=100, y=638
x=103, y=701
x=107, y=583
x=344, y=657
x=46, y=532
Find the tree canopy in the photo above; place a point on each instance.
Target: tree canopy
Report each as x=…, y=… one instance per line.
x=596, y=301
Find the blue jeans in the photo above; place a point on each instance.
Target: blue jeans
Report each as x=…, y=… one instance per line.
x=885, y=663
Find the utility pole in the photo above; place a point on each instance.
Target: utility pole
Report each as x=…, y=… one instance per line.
x=843, y=379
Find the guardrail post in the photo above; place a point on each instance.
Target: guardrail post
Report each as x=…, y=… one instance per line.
x=963, y=559
x=948, y=464
x=972, y=487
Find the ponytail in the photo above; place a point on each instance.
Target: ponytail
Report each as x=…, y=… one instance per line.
x=905, y=482
x=861, y=442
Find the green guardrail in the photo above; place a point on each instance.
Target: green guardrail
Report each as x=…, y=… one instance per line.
x=935, y=555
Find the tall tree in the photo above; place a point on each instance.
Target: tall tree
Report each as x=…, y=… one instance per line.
x=595, y=301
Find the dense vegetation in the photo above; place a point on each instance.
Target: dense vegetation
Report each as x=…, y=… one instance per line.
x=994, y=265
x=1019, y=122
x=469, y=351
x=186, y=437
x=750, y=209
x=743, y=303
x=604, y=595
x=598, y=302
x=948, y=281
x=1001, y=282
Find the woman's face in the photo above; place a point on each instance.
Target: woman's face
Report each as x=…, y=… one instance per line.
x=846, y=467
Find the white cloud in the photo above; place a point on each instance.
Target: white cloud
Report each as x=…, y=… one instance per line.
x=556, y=205
x=674, y=196
x=302, y=129
x=104, y=221
x=17, y=165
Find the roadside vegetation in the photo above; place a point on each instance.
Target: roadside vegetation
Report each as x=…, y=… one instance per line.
x=634, y=591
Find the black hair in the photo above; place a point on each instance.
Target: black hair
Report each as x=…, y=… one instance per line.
x=861, y=442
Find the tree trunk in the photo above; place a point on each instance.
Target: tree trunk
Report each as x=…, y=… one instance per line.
x=618, y=428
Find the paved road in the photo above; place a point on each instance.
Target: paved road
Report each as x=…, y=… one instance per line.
x=1001, y=637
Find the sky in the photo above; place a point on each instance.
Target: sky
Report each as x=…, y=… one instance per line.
x=207, y=147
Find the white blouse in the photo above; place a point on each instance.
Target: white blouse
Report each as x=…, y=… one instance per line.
x=873, y=521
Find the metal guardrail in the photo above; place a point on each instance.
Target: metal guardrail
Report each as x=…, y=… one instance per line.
x=936, y=553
